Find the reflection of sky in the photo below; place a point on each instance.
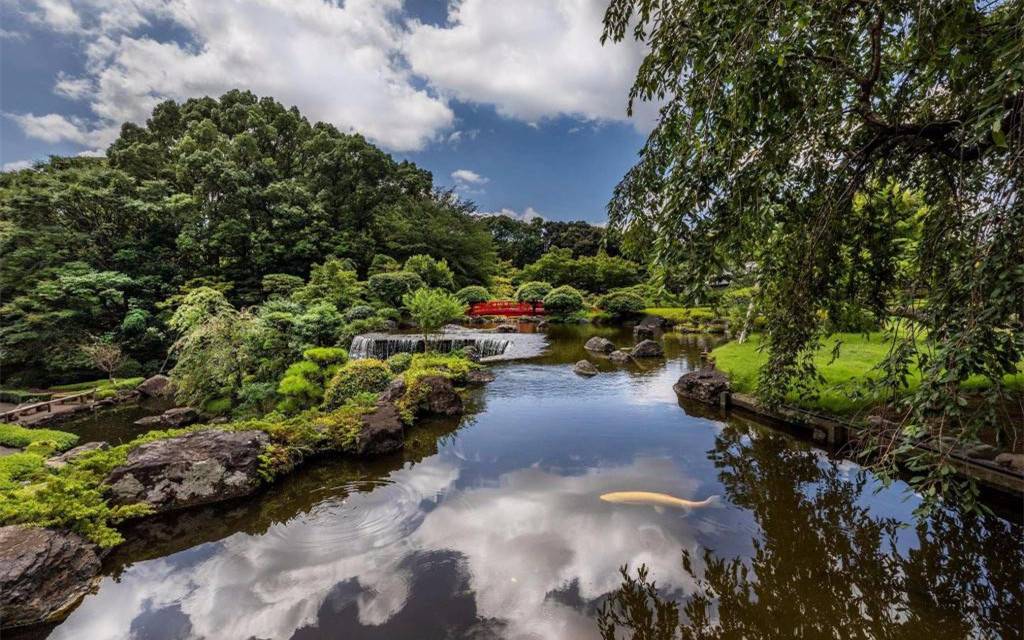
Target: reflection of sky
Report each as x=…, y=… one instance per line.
x=501, y=533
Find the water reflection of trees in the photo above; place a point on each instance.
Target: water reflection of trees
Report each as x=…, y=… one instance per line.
x=825, y=567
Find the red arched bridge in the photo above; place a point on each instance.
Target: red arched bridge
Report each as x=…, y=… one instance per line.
x=506, y=308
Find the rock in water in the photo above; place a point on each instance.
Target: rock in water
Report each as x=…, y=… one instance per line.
x=382, y=431
x=706, y=385
x=643, y=332
x=59, y=462
x=180, y=417
x=599, y=345
x=620, y=357
x=155, y=387
x=507, y=328
x=648, y=349
x=43, y=572
x=196, y=468
x=585, y=368
x=1014, y=461
x=480, y=376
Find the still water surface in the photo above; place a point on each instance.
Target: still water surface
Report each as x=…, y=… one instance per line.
x=493, y=527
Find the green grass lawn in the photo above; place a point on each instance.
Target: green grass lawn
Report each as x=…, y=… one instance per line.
x=100, y=385
x=682, y=315
x=857, y=358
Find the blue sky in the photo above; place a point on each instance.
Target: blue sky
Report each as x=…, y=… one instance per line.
x=516, y=104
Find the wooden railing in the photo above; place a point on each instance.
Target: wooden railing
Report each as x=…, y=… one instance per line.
x=507, y=308
x=39, y=407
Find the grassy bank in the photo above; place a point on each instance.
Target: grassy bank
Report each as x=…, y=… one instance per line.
x=73, y=497
x=682, y=315
x=842, y=389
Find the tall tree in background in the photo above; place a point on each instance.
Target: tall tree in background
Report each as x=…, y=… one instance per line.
x=777, y=116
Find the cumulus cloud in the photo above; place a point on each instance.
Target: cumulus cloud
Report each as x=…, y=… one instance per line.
x=532, y=59
x=17, y=165
x=54, y=127
x=360, y=65
x=465, y=176
x=526, y=215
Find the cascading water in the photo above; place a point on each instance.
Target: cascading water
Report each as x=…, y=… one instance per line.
x=488, y=345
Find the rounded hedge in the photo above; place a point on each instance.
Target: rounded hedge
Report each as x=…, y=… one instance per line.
x=531, y=291
x=473, y=294
x=399, y=362
x=563, y=301
x=358, y=376
x=359, y=312
x=390, y=287
x=622, y=303
x=326, y=356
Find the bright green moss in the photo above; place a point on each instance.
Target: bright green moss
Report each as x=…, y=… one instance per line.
x=358, y=376
x=12, y=435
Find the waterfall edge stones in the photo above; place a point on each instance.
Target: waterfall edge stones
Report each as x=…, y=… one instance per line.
x=43, y=572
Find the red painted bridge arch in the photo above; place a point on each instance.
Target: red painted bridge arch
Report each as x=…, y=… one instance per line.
x=507, y=308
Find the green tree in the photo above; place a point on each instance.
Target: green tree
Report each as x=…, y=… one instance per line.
x=431, y=309
x=473, y=294
x=777, y=117
x=434, y=273
x=390, y=287
x=532, y=291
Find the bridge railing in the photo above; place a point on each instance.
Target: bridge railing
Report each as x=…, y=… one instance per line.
x=507, y=308
x=38, y=407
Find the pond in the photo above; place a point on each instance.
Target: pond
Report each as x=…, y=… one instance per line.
x=494, y=527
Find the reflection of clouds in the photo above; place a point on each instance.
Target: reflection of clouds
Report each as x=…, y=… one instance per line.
x=532, y=533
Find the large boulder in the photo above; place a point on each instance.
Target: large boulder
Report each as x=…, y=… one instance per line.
x=435, y=395
x=584, y=368
x=149, y=421
x=157, y=386
x=394, y=392
x=43, y=573
x=599, y=345
x=507, y=327
x=706, y=385
x=381, y=431
x=188, y=470
x=180, y=417
x=648, y=349
x=1014, y=461
x=60, y=461
x=643, y=332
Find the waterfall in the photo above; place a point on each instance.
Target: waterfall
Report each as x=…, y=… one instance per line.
x=489, y=345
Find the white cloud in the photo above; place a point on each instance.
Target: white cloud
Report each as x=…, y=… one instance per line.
x=533, y=59
x=467, y=177
x=54, y=127
x=359, y=65
x=526, y=215
x=336, y=63
x=17, y=165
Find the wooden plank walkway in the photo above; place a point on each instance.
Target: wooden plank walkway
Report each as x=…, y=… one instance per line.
x=23, y=415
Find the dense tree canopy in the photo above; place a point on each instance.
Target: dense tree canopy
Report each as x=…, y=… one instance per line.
x=522, y=242
x=218, y=192
x=780, y=118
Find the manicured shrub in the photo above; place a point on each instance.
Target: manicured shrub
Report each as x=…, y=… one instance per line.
x=563, y=301
x=473, y=294
x=326, y=356
x=532, y=291
x=390, y=287
x=359, y=312
x=389, y=313
x=435, y=273
x=399, y=362
x=358, y=376
x=621, y=303
x=12, y=435
x=280, y=285
x=453, y=366
x=383, y=264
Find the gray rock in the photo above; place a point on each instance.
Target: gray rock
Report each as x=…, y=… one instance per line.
x=157, y=386
x=381, y=432
x=599, y=345
x=436, y=396
x=149, y=421
x=543, y=324
x=507, y=328
x=394, y=391
x=1014, y=461
x=480, y=376
x=642, y=332
x=584, y=368
x=705, y=385
x=471, y=352
x=981, y=452
x=620, y=357
x=59, y=462
x=43, y=573
x=192, y=469
x=653, y=322
x=180, y=417
x=648, y=349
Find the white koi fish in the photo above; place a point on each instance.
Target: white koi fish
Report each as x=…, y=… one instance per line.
x=656, y=499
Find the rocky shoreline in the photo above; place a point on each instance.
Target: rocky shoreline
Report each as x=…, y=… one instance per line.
x=44, y=572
